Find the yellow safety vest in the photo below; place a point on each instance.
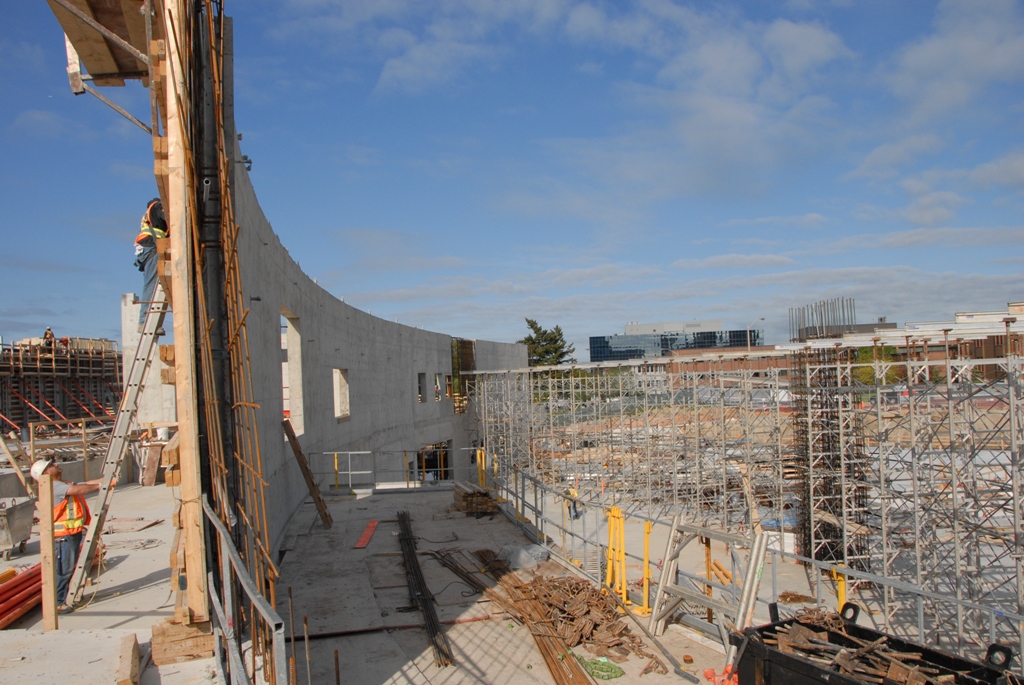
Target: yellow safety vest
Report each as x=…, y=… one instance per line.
x=71, y=516
x=146, y=229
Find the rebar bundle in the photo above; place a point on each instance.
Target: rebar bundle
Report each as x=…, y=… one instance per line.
x=420, y=595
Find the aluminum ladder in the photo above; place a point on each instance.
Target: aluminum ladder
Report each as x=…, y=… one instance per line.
x=126, y=418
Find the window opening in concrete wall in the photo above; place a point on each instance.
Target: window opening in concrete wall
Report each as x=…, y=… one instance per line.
x=463, y=360
x=284, y=367
x=341, y=406
x=421, y=385
x=293, y=345
x=434, y=462
x=448, y=386
x=437, y=387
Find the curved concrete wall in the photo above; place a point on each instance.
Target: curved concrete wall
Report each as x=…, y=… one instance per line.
x=382, y=361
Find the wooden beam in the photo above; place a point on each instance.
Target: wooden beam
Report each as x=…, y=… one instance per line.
x=318, y=500
x=46, y=553
x=92, y=48
x=128, y=665
x=180, y=230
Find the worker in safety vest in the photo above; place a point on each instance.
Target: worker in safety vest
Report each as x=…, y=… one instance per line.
x=153, y=226
x=70, y=518
x=573, y=502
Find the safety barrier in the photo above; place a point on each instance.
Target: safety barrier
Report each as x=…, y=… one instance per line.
x=545, y=515
x=256, y=610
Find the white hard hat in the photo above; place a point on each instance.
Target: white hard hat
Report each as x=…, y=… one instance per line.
x=39, y=466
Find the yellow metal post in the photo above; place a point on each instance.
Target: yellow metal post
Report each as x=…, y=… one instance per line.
x=335, y=471
x=840, y=579
x=481, y=468
x=623, y=585
x=708, y=590
x=645, y=609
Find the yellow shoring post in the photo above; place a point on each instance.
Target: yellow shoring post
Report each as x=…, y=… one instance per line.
x=335, y=471
x=840, y=579
x=623, y=585
x=645, y=609
x=708, y=590
x=481, y=468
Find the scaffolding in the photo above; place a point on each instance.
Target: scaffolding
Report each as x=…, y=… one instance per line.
x=906, y=467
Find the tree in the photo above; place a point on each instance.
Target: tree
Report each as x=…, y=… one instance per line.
x=547, y=347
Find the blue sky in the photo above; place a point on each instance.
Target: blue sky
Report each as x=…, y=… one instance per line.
x=462, y=164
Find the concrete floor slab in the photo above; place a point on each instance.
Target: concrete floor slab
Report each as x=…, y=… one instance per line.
x=132, y=594
x=343, y=590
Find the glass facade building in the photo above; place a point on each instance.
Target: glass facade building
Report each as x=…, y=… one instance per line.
x=604, y=348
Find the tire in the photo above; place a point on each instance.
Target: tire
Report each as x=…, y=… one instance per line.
x=22, y=546
x=7, y=554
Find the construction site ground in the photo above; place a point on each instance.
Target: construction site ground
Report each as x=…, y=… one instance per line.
x=353, y=599
x=133, y=593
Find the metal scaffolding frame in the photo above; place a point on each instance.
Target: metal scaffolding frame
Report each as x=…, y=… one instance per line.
x=909, y=468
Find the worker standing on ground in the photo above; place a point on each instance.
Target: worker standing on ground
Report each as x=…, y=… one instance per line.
x=573, y=502
x=70, y=517
x=153, y=226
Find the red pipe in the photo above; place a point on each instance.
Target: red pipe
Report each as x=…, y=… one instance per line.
x=117, y=393
x=16, y=426
x=17, y=583
x=75, y=399
x=20, y=611
x=19, y=599
x=86, y=392
x=22, y=398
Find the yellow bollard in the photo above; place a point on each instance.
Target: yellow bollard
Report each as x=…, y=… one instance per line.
x=840, y=579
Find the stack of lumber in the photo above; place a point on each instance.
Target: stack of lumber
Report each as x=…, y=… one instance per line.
x=473, y=499
x=174, y=642
x=19, y=592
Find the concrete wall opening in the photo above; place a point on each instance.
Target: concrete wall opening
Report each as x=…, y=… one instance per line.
x=292, y=344
x=421, y=386
x=341, y=405
x=434, y=461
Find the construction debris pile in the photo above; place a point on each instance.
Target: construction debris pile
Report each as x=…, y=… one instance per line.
x=566, y=612
x=473, y=499
x=822, y=637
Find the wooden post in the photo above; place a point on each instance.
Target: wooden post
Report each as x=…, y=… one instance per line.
x=46, y=553
x=181, y=295
x=85, y=454
x=314, y=491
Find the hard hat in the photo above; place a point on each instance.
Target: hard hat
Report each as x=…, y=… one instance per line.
x=39, y=466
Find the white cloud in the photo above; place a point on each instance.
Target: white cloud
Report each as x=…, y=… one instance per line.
x=734, y=261
x=933, y=208
x=1005, y=171
x=811, y=219
x=881, y=162
x=975, y=43
x=425, y=65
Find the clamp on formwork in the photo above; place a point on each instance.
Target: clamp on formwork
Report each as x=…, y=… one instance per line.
x=116, y=449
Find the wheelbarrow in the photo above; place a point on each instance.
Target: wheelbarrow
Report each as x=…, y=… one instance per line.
x=15, y=524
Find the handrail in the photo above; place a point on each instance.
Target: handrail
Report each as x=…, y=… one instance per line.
x=232, y=561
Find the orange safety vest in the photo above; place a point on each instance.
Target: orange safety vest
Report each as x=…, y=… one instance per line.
x=71, y=516
x=147, y=229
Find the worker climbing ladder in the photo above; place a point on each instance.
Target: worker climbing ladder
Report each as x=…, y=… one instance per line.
x=126, y=419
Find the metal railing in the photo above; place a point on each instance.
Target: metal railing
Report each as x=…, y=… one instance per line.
x=927, y=617
x=345, y=472
x=232, y=571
